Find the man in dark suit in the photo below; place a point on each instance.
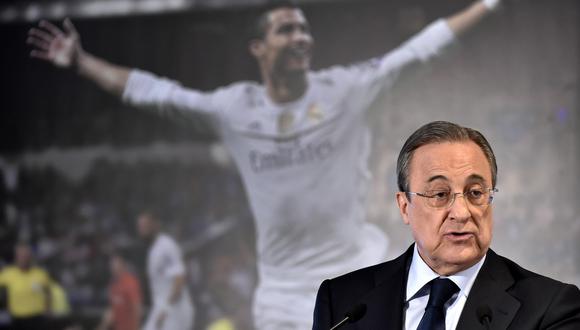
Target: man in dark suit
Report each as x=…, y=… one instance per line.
x=448, y=279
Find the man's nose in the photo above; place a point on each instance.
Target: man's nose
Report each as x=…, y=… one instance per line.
x=459, y=210
x=302, y=37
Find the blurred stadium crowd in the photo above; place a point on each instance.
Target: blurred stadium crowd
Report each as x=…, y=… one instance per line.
x=74, y=227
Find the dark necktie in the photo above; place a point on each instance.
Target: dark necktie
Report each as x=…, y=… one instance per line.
x=442, y=289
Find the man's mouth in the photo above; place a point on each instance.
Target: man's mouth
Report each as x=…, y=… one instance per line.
x=459, y=235
x=299, y=53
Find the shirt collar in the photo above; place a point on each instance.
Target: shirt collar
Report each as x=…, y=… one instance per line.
x=420, y=274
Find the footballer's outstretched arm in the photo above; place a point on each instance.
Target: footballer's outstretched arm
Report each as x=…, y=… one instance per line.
x=63, y=49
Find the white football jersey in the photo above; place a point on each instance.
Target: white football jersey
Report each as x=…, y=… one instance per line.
x=303, y=163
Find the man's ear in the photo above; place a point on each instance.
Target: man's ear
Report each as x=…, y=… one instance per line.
x=403, y=203
x=256, y=47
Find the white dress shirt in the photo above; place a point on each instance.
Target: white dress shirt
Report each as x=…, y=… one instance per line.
x=418, y=292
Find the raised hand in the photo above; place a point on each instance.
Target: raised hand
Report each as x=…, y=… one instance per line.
x=54, y=45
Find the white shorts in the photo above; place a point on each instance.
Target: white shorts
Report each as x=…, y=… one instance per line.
x=284, y=300
x=178, y=317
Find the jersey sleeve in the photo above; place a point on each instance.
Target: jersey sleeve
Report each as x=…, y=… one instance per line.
x=168, y=97
x=426, y=45
x=370, y=77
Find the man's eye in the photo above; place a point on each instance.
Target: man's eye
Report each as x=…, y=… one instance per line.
x=441, y=195
x=475, y=193
x=285, y=29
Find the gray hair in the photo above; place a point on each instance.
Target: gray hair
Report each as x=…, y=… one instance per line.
x=438, y=132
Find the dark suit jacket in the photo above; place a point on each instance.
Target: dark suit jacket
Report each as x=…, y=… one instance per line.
x=518, y=299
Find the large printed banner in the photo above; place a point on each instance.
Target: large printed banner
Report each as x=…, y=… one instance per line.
x=79, y=167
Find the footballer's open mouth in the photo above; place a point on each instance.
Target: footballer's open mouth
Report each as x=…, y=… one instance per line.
x=298, y=53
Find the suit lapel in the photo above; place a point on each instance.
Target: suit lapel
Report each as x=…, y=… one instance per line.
x=385, y=302
x=489, y=289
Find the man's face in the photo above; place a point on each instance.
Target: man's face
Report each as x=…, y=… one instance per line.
x=116, y=265
x=145, y=226
x=287, y=44
x=452, y=238
x=23, y=256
